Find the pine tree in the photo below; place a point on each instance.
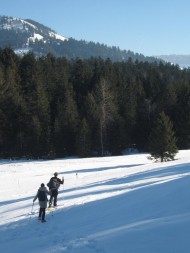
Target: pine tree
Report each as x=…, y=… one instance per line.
x=66, y=124
x=106, y=109
x=11, y=104
x=162, y=142
x=83, y=139
x=181, y=117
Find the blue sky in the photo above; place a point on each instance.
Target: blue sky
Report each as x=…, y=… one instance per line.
x=150, y=27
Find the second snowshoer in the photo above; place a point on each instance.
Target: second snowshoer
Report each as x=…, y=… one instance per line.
x=42, y=197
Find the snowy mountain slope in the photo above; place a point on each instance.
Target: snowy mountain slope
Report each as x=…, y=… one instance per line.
x=28, y=35
x=112, y=204
x=36, y=30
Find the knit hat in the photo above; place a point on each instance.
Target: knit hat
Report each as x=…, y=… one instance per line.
x=42, y=185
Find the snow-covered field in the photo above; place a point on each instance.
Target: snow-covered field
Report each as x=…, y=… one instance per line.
x=124, y=204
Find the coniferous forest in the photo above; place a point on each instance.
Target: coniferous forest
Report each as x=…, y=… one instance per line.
x=54, y=107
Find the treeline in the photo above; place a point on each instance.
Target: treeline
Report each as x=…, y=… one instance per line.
x=54, y=107
x=82, y=49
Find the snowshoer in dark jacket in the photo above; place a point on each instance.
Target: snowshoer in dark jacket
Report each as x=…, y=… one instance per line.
x=53, y=185
x=42, y=198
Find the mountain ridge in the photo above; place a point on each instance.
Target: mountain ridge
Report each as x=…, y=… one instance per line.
x=24, y=35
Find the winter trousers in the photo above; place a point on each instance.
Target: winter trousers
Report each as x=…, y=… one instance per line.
x=54, y=194
x=42, y=213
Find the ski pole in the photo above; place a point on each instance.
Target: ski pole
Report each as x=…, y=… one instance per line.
x=31, y=211
x=63, y=181
x=63, y=187
x=32, y=206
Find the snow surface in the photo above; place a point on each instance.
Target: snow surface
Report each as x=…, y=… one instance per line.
x=36, y=36
x=57, y=36
x=124, y=204
x=28, y=23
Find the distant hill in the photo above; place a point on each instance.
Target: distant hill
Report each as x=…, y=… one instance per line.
x=28, y=35
x=182, y=60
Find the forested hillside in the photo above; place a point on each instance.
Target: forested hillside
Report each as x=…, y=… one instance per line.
x=24, y=35
x=54, y=107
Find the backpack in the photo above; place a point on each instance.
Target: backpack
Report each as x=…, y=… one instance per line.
x=42, y=196
x=53, y=183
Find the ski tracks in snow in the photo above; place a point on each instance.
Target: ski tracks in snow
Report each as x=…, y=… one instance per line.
x=92, y=243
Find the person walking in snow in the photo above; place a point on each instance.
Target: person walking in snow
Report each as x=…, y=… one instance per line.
x=42, y=198
x=53, y=185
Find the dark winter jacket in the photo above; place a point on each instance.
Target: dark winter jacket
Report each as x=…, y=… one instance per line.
x=43, y=203
x=54, y=183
